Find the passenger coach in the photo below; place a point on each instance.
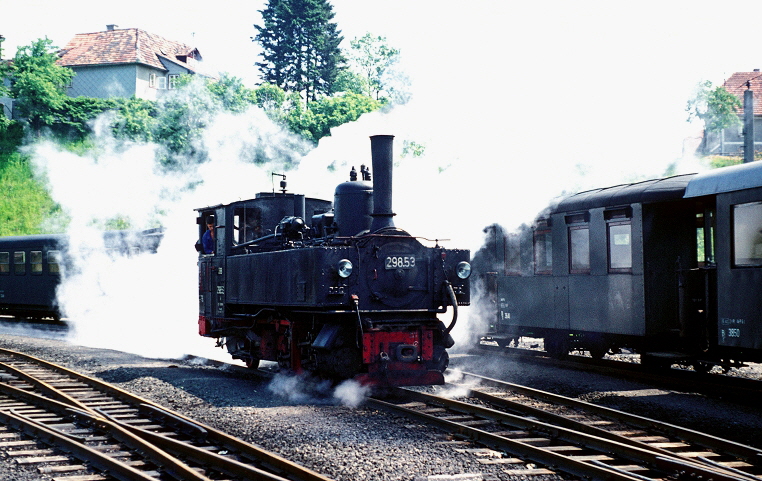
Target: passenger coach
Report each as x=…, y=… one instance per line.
x=671, y=268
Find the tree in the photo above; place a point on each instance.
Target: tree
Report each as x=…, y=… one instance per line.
x=372, y=57
x=321, y=116
x=300, y=46
x=716, y=107
x=38, y=84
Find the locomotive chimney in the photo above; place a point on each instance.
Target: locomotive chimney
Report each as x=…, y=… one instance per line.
x=381, y=153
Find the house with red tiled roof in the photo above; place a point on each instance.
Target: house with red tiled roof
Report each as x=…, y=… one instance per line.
x=731, y=141
x=126, y=62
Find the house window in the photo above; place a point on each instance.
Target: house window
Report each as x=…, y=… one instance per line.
x=579, y=243
x=161, y=83
x=152, y=81
x=173, y=79
x=747, y=235
x=19, y=262
x=543, y=249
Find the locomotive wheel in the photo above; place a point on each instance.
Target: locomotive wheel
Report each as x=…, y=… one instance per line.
x=252, y=363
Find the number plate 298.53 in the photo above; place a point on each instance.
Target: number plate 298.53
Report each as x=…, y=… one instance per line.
x=399, y=262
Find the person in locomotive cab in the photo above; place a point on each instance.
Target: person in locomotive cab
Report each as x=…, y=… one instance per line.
x=207, y=240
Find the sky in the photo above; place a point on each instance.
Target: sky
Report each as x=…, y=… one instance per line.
x=516, y=102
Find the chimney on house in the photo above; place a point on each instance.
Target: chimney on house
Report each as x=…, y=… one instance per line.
x=110, y=27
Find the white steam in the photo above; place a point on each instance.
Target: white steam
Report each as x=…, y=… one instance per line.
x=302, y=388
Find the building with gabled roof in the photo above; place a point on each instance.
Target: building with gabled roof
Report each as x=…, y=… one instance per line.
x=126, y=62
x=731, y=141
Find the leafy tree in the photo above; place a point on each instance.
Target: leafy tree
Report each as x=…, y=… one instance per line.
x=38, y=84
x=716, y=107
x=135, y=119
x=372, y=57
x=316, y=121
x=300, y=46
x=350, y=81
x=232, y=94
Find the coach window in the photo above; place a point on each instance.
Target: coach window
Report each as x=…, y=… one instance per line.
x=19, y=262
x=512, y=255
x=543, y=248
x=579, y=243
x=747, y=234
x=35, y=262
x=705, y=237
x=619, y=232
x=5, y=262
x=54, y=262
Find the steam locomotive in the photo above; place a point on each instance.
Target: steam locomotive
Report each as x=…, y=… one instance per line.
x=670, y=268
x=334, y=289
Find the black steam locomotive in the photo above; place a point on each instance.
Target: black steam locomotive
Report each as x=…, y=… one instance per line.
x=670, y=268
x=333, y=289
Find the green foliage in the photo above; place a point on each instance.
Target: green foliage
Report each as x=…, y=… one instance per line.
x=322, y=115
x=232, y=94
x=11, y=136
x=269, y=97
x=372, y=57
x=135, y=119
x=25, y=204
x=352, y=82
x=300, y=46
x=413, y=149
x=38, y=84
x=716, y=107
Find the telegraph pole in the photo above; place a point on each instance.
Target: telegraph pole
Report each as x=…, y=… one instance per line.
x=748, y=127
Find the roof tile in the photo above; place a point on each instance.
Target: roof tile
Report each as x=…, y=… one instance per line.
x=736, y=84
x=125, y=46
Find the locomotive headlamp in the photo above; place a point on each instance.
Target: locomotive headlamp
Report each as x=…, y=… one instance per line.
x=344, y=268
x=463, y=270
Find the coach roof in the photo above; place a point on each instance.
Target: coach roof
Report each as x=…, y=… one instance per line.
x=647, y=191
x=726, y=179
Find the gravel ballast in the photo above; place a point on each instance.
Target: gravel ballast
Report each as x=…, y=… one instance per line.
x=344, y=442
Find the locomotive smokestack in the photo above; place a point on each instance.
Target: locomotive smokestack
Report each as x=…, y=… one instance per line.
x=381, y=153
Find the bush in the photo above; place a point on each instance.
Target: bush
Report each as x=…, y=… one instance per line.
x=25, y=204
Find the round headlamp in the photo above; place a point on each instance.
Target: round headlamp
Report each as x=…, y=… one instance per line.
x=344, y=268
x=463, y=270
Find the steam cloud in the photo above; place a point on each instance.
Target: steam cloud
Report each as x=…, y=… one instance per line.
x=471, y=174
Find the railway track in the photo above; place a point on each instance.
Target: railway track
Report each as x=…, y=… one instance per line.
x=740, y=389
x=77, y=428
x=525, y=427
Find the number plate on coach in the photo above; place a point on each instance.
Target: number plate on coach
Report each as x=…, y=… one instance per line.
x=399, y=262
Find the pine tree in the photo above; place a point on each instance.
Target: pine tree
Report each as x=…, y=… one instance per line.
x=300, y=46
